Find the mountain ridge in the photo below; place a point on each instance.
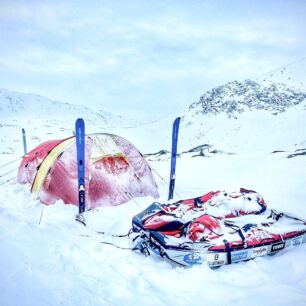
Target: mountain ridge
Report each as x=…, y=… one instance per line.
x=235, y=97
x=16, y=104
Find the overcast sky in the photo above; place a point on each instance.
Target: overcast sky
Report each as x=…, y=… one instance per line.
x=145, y=59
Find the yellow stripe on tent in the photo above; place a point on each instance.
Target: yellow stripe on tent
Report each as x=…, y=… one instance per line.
x=104, y=146
x=94, y=160
x=47, y=163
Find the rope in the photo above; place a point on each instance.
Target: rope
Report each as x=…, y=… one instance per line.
x=4, y=182
x=11, y=162
x=109, y=243
x=41, y=214
x=116, y=246
x=164, y=181
x=159, y=175
x=108, y=234
x=12, y=170
x=116, y=236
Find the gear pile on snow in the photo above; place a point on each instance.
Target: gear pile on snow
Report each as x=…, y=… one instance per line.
x=218, y=228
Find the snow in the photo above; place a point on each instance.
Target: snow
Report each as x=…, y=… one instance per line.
x=29, y=106
x=47, y=258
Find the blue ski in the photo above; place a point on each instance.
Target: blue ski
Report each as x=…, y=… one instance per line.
x=175, y=130
x=80, y=146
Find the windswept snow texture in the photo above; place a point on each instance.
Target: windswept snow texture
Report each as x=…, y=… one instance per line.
x=60, y=262
x=47, y=258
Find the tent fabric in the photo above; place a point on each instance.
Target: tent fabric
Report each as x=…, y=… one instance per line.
x=115, y=171
x=33, y=159
x=47, y=163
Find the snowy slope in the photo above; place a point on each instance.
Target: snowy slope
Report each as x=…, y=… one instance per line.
x=28, y=106
x=44, y=119
x=292, y=74
x=47, y=258
x=238, y=117
x=247, y=117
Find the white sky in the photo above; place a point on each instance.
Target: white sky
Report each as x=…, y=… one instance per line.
x=146, y=59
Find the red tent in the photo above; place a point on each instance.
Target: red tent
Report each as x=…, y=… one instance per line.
x=115, y=171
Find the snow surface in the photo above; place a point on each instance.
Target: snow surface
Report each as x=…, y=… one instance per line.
x=47, y=258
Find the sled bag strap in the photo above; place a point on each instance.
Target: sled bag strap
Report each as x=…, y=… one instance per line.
x=228, y=251
x=239, y=231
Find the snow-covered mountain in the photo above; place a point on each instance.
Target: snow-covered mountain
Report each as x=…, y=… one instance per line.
x=246, y=116
x=236, y=97
x=237, y=117
x=44, y=119
x=293, y=75
x=22, y=105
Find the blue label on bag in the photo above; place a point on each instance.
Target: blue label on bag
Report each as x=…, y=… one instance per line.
x=192, y=259
x=239, y=256
x=297, y=241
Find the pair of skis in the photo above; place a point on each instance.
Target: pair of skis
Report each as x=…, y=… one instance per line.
x=80, y=146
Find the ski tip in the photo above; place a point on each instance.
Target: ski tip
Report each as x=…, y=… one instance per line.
x=79, y=127
x=79, y=121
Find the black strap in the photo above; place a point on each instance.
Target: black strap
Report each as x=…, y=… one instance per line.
x=228, y=251
x=239, y=231
x=197, y=202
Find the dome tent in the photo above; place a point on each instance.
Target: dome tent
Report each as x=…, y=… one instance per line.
x=115, y=171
